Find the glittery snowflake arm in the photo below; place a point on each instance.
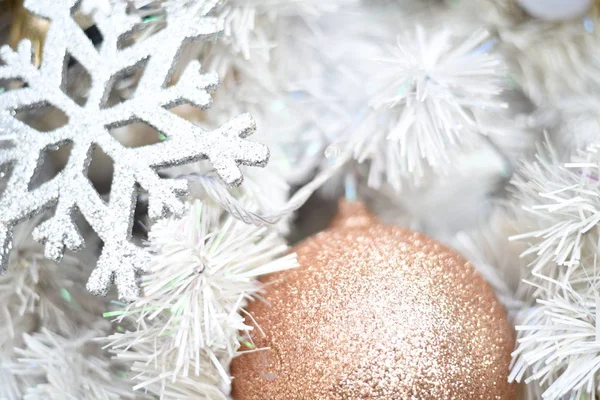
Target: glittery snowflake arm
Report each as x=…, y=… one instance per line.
x=89, y=126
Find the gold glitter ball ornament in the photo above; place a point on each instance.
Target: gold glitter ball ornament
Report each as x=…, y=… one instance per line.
x=376, y=312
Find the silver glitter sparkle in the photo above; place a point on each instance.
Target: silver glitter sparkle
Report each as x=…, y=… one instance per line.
x=89, y=125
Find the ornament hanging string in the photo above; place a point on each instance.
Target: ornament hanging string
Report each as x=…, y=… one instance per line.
x=215, y=189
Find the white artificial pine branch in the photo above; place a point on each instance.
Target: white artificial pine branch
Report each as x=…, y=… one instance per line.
x=187, y=325
x=544, y=54
x=572, y=123
x=249, y=23
x=35, y=293
x=423, y=104
x=71, y=367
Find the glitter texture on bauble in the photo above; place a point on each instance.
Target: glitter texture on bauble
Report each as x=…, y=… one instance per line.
x=376, y=312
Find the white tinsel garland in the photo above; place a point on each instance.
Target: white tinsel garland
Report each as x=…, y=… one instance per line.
x=561, y=208
x=557, y=348
x=558, y=344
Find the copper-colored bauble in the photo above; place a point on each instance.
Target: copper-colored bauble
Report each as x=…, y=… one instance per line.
x=376, y=312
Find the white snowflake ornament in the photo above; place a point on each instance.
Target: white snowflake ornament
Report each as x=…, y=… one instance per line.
x=89, y=124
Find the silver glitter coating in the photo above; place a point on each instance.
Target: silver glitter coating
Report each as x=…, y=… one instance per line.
x=89, y=125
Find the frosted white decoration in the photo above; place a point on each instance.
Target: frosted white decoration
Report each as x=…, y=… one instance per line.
x=88, y=128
